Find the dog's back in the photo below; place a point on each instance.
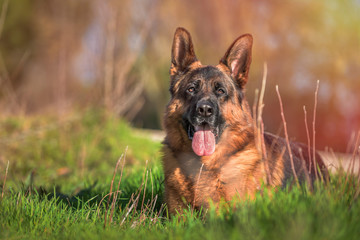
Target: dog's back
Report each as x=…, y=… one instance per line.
x=301, y=161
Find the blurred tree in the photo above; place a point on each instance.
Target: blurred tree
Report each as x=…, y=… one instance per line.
x=117, y=54
x=40, y=38
x=302, y=41
x=17, y=33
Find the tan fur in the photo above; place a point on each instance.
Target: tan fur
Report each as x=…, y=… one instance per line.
x=222, y=177
x=236, y=168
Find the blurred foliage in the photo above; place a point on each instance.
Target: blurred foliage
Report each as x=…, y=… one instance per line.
x=18, y=32
x=57, y=55
x=78, y=148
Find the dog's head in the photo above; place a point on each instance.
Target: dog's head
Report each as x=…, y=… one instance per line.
x=201, y=94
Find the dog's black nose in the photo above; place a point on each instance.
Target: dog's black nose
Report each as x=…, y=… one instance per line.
x=204, y=109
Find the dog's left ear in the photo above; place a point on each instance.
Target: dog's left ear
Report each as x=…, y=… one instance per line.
x=238, y=58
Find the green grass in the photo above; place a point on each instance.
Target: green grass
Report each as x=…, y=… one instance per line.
x=60, y=174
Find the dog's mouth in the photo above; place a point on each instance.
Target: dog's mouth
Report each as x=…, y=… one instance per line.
x=203, y=138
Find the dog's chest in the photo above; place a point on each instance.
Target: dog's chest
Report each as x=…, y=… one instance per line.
x=217, y=183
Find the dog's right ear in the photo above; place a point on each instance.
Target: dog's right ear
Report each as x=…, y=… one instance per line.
x=182, y=52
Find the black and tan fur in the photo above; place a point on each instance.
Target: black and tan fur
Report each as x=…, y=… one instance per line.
x=236, y=168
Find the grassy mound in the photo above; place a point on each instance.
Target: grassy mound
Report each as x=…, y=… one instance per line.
x=90, y=177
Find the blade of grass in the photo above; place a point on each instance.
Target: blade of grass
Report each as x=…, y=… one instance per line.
x=259, y=125
x=308, y=138
x=313, y=128
x=267, y=170
x=118, y=186
x=111, y=187
x=358, y=150
x=261, y=97
x=130, y=209
x=286, y=136
x=307, y=176
x=145, y=175
x=6, y=173
x=350, y=169
x=142, y=203
x=197, y=183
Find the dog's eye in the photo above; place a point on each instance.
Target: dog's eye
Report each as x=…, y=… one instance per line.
x=191, y=90
x=220, y=91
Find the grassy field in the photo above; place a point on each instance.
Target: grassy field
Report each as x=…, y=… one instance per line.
x=89, y=176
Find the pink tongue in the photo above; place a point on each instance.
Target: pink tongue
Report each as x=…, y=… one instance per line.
x=203, y=142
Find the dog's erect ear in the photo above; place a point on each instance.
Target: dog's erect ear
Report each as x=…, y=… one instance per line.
x=182, y=53
x=238, y=58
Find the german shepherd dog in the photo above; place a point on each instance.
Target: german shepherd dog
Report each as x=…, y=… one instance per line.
x=210, y=151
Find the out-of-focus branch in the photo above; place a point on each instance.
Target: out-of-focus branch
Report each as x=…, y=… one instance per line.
x=122, y=95
x=109, y=58
x=4, y=75
x=3, y=15
x=6, y=87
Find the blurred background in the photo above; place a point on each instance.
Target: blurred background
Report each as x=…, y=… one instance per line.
x=57, y=57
